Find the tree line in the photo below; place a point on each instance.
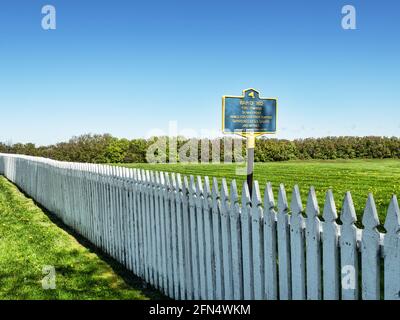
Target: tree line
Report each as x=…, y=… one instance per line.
x=105, y=148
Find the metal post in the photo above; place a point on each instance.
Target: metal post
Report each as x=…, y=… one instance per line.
x=250, y=162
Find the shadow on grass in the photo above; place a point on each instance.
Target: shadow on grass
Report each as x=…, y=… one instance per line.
x=127, y=276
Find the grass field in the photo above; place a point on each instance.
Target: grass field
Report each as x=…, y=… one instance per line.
x=381, y=177
x=29, y=240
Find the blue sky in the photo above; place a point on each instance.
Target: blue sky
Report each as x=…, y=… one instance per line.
x=127, y=67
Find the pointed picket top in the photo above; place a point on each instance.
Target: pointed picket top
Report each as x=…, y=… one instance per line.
x=392, y=223
x=173, y=182
x=199, y=187
x=112, y=169
x=256, y=195
x=370, y=218
x=312, y=208
x=296, y=206
x=123, y=172
x=269, y=201
x=185, y=186
x=156, y=179
x=152, y=178
x=234, y=205
x=162, y=179
x=215, y=204
x=348, y=215
x=130, y=173
x=153, y=183
x=215, y=191
x=282, y=200
x=330, y=213
x=119, y=171
x=148, y=177
x=224, y=191
x=167, y=181
x=234, y=194
x=192, y=185
x=179, y=181
x=206, y=187
x=144, y=176
x=245, y=195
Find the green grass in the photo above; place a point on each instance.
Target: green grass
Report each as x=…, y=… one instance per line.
x=381, y=177
x=29, y=240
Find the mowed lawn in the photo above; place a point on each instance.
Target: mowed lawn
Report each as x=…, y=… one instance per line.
x=29, y=240
x=381, y=177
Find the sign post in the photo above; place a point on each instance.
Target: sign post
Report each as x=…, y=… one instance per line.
x=251, y=141
x=249, y=116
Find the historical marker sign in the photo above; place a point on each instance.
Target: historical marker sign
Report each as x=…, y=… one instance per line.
x=249, y=114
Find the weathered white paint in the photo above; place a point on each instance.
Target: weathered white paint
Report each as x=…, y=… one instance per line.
x=208, y=240
x=196, y=242
x=313, y=248
x=200, y=237
x=257, y=243
x=297, y=249
x=236, y=244
x=270, y=255
x=247, y=250
x=226, y=242
x=330, y=250
x=217, y=242
x=285, y=282
x=348, y=249
x=392, y=252
x=370, y=252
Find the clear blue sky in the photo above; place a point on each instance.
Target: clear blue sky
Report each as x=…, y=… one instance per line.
x=126, y=67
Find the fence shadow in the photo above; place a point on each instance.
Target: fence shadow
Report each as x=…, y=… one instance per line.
x=128, y=277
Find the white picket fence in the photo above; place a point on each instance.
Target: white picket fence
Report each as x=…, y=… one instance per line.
x=192, y=239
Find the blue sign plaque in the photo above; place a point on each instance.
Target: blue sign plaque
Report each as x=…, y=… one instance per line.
x=249, y=114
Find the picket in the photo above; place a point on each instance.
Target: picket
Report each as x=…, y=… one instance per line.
x=270, y=255
x=226, y=242
x=247, y=250
x=313, y=247
x=348, y=250
x=174, y=236
x=330, y=249
x=200, y=237
x=257, y=240
x=180, y=236
x=186, y=240
x=208, y=240
x=168, y=237
x=285, y=287
x=162, y=243
x=297, y=249
x=370, y=252
x=194, y=240
x=236, y=245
